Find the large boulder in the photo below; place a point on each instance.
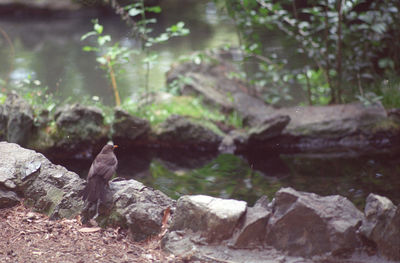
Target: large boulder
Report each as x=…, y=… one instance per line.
x=79, y=129
x=46, y=187
x=132, y=205
x=53, y=190
x=129, y=130
x=214, y=218
x=16, y=120
x=251, y=234
x=8, y=198
x=305, y=224
x=382, y=225
x=212, y=80
x=180, y=132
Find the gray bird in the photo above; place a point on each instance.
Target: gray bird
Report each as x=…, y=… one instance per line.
x=101, y=171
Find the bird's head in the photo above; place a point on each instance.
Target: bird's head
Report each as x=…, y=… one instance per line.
x=108, y=148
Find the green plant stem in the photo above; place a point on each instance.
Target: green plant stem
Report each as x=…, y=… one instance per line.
x=339, y=51
x=113, y=82
x=12, y=55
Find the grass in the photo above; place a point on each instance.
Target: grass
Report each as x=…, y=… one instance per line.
x=181, y=105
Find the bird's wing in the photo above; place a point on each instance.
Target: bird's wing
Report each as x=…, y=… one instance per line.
x=103, y=166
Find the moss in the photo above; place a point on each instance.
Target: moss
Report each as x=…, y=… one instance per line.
x=186, y=106
x=2, y=98
x=385, y=125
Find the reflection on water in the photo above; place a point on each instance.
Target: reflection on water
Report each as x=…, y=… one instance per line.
x=248, y=178
x=49, y=49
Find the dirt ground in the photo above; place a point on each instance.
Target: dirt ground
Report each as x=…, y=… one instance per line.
x=26, y=236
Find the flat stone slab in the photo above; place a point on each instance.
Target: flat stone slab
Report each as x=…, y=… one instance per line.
x=214, y=218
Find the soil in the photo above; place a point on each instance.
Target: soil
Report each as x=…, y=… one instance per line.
x=27, y=236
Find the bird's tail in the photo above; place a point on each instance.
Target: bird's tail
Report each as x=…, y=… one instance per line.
x=95, y=189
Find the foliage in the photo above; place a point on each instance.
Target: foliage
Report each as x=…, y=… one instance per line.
x=109, y=57
x=2, y=98
x=142, y=31
x=186, y=106
x=36, y=95
x=349, y=42
x=388, y=91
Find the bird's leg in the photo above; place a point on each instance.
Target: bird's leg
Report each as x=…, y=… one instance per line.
x=97, y=209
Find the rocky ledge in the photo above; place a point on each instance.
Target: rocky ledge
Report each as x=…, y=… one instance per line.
x=295, y=226
x=79, y=130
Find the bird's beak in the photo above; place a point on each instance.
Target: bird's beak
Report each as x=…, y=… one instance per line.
x=115, y=146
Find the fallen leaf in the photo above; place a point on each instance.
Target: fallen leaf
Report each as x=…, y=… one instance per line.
x=89, y=229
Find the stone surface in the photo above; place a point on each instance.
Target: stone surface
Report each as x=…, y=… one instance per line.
x=211, y=80
x=46, y=187
x=268, y=129
x=137, y=207
x=19, y=117
x=252, y=233
x=79, y=128
x=8, y=199
x=180, y=132
x=214, y=218
x=382, y=225
x=53, y=190
x=306, y=224
x=128, y=129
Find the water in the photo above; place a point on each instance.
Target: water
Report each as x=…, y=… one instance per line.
x=50, y=49
x=249, y=177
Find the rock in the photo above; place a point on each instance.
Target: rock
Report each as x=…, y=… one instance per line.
x=53, y=190
x=137, y=207
x=8, y=199
x=268, y=129
x=46, y=187
x=252, y=233
x=211, y=80
x=305, y=224
x=128, y=129
x=3, y=123
x=382, y=225
x=19, y=116
x=180, y=132
x=214, y=218
x=79, y=128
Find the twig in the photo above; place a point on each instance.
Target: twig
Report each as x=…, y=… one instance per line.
x=12, y=54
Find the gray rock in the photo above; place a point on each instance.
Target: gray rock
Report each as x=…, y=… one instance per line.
x=382, y=225
x=214, y=218
x=53, y=190
x=48, y=188
x=79, y=128
x=3, y=123
x=268, y=129
x=8, y=199
x=252, y=233
x=19, y=116
x=178, y=131
x=128, y=129
x=306, y=224
x=137, y=207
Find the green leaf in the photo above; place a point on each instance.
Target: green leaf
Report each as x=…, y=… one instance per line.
x=154, y=9
x=102, y=60
x=98, y=28
x=101, y=40
x=134, y=11
x=88, y=34
x=89, y=48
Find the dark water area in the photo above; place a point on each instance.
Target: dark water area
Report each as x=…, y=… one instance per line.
x=249, y=177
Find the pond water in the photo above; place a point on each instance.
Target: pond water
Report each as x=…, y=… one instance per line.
x=249, y=177
x=48, y=48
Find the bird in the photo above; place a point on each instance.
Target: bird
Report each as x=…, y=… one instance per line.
x=100, y=172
